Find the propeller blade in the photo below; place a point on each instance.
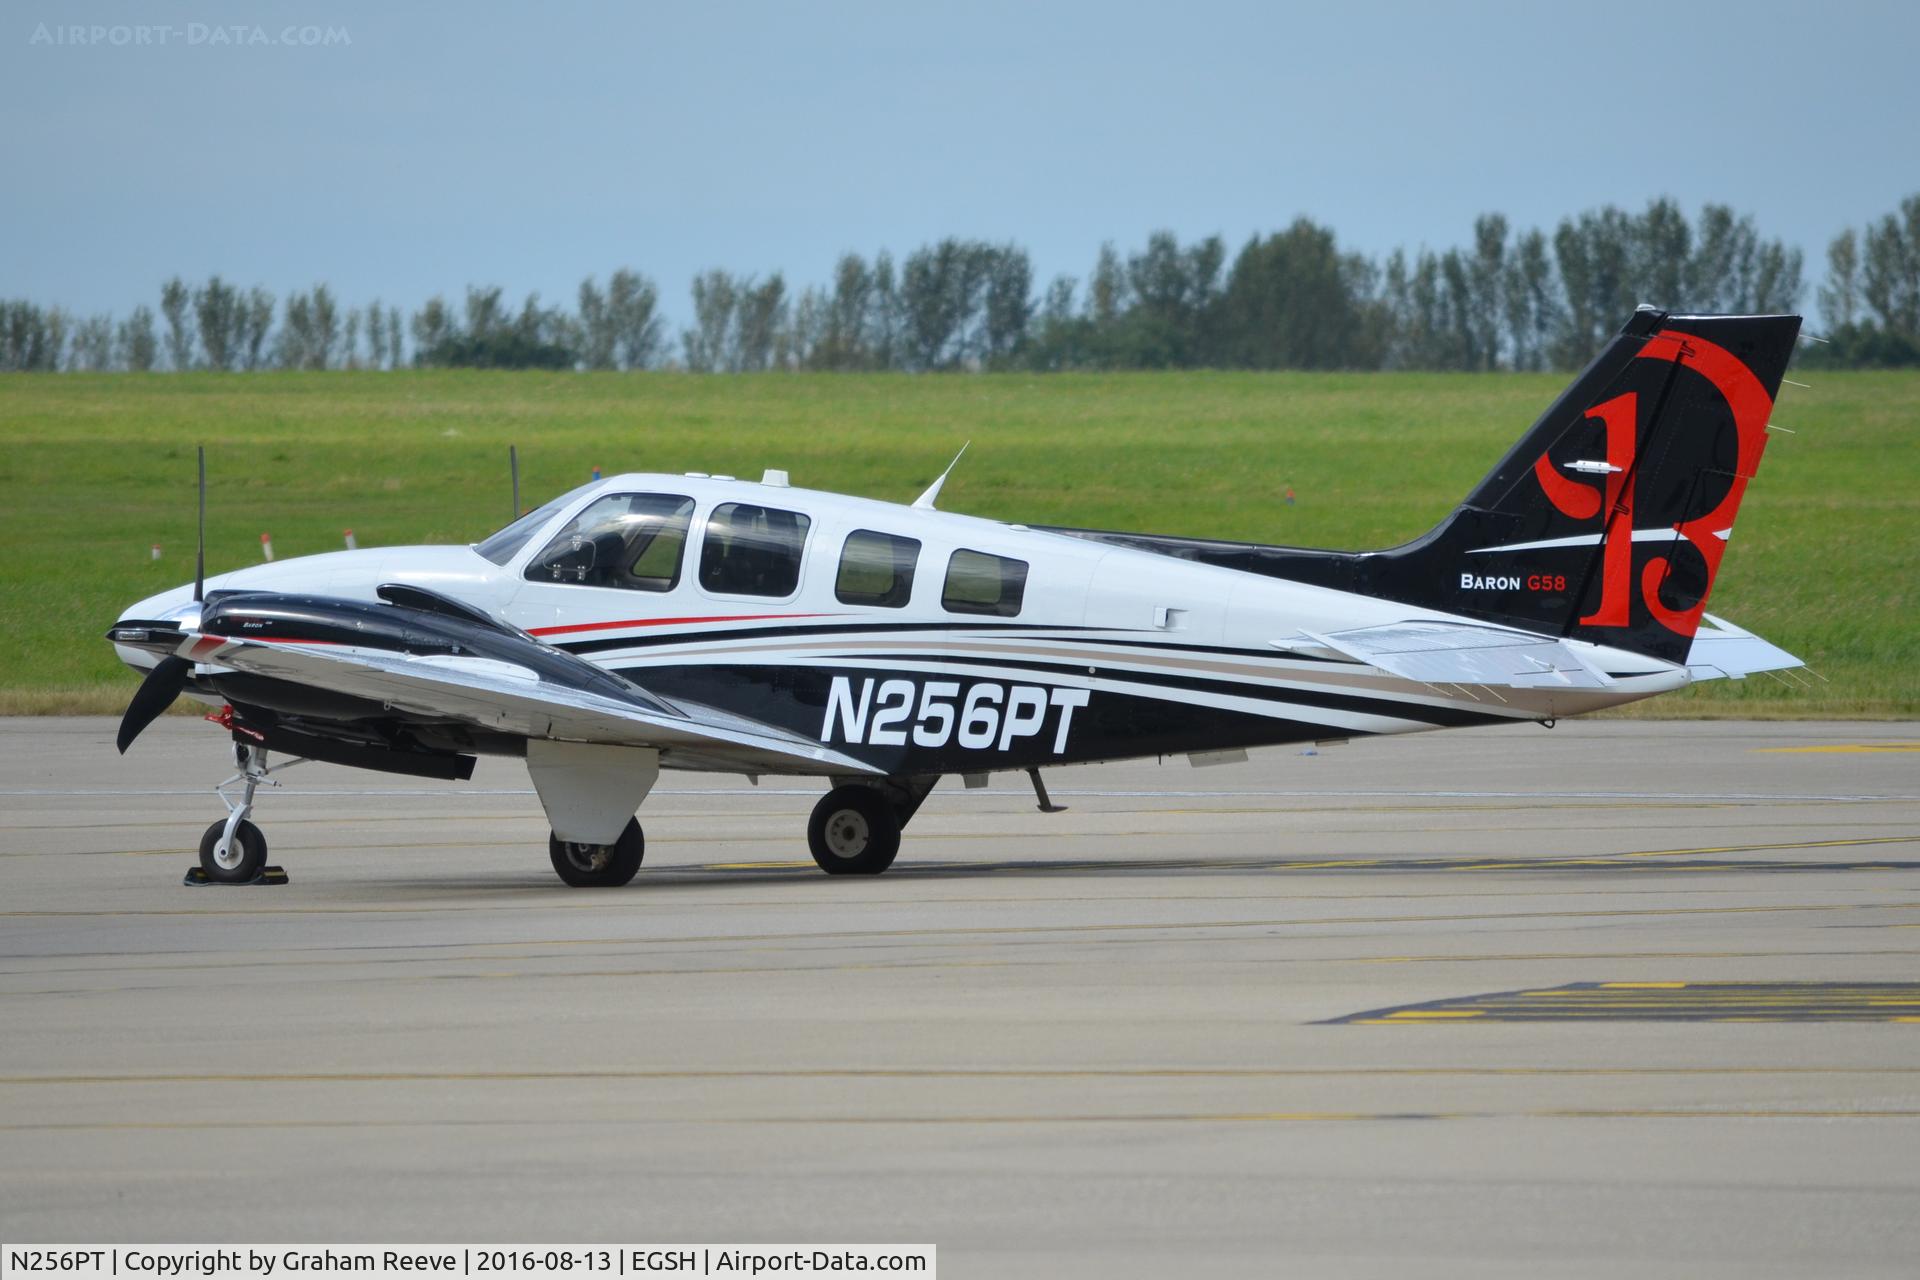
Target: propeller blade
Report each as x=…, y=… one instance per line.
x=155, y=694
x=200, y=544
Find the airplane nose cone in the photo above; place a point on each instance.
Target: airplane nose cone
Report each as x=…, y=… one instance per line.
x=176, y=606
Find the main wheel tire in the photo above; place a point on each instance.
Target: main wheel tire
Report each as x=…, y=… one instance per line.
x=244, y=857
x=853, y=832
x=599, y=866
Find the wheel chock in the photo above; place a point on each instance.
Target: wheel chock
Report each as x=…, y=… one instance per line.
x=197, y=878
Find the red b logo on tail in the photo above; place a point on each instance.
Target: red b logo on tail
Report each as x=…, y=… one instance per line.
x=1613, y=503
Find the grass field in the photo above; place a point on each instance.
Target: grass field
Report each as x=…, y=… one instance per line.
x=99, y=467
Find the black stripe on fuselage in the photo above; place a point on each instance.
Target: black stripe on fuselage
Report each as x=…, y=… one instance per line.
x=1439, y=717
x=1115, y=724
x=803, y=629
x=896, y=628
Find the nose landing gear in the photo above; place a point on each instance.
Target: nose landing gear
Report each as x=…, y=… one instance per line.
x=232, y=850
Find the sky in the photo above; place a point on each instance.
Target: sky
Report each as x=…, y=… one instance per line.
x=403, y=150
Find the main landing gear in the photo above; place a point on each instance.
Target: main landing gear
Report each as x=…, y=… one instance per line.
x=599, y=866
x=853, y=832
x=855, y=829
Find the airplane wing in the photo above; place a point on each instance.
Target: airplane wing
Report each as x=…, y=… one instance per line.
x=1463, y=653
x=505, y=697
x=1723, y=651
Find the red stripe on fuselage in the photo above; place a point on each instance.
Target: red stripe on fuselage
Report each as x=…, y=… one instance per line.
x=575, y=627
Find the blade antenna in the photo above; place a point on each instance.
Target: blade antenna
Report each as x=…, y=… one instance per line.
x=513, y=465
x=200, y=541
x=925, y=501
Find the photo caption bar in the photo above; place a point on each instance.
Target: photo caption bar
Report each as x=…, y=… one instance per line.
x=521, y=1261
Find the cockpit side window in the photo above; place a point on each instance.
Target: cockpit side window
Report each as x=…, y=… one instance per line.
x=752, y=551
x=982, y=583
x=630, y=541
x=876, y=569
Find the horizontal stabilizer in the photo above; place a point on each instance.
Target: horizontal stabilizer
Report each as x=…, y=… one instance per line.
x=1723, y=651
x=1460, y=653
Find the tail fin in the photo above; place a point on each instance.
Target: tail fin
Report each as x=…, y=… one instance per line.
x=1608, y=520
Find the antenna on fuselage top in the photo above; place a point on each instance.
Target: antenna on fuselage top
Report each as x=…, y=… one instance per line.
x=200, y=536
x=925, y=500
x=513, y=465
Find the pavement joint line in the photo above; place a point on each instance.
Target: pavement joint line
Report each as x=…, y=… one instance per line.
x=1117, y=1118
x=775, y=827
x=825, y=903
x=924, y=1073
x=1004, y=793
x=696, y=875
x=783, y=970
x=1411, y=862
x=966, y=930
x=643, y=947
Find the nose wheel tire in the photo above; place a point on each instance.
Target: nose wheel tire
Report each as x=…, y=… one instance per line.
x=240, y=861
x=599, y=866
x=853, y=832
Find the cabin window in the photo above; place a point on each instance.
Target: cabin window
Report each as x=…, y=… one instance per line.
x=631, y=541
x=876, y=569
x=752, y=551
x=980, y=583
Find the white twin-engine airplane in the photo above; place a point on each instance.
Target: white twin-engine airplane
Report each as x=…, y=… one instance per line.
x=648, y=622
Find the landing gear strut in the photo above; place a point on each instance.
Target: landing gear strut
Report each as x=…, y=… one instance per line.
x=232, y=851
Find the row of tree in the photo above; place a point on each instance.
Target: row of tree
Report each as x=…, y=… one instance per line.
x=1871, y=300
x=1292, y=299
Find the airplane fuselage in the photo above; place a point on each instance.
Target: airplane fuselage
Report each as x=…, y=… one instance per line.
x=923, y=642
